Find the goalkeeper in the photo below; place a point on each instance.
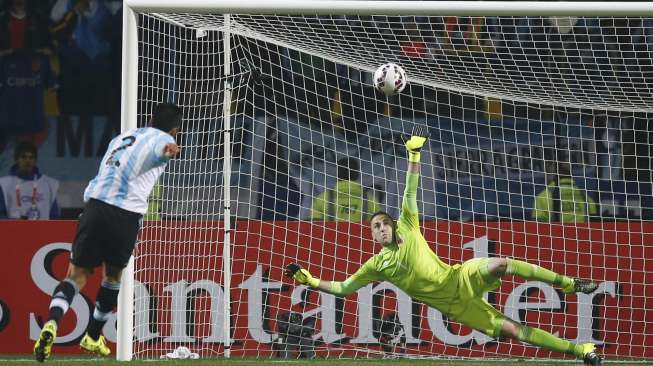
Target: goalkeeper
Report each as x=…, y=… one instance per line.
x=408, y=262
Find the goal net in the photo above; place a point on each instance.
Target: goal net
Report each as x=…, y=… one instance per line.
x=539, y=149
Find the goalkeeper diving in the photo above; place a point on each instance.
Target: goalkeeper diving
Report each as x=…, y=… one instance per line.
x=407, y=261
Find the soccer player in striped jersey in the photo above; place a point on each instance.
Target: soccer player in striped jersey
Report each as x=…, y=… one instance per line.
x=115, y=201
x=408, y=262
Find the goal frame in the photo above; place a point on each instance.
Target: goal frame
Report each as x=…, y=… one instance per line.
x=129, y=89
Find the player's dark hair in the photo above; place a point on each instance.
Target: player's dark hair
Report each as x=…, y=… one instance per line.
x=166, y=116
x=23, y=147
x=383, y=213
x=348, y=168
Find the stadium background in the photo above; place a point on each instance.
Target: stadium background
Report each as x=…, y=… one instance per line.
x=616, y=144
x=70, y=148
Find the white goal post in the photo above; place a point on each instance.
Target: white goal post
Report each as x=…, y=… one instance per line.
x=182, y=51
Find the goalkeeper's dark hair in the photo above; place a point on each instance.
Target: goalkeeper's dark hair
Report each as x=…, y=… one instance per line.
x=166, y=116
x=379, y=213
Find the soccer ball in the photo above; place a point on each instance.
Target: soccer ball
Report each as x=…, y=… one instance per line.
x=390, y=79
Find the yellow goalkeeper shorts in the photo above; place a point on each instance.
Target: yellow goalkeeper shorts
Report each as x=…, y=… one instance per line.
x=471, y=308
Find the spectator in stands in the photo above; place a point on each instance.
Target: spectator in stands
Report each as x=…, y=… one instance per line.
x=26, y=193
x=115, y=70
x=82, y=32
x=563, y=201
x=24, y=72
x=22, y=28
x=280, y=196
x=348, y=200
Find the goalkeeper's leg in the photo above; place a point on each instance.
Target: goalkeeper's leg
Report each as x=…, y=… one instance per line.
x=477, y=313
x=544, y=339
x=482, y=275
x=499, y=267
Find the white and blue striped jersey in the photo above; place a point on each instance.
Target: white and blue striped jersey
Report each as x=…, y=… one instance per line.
x=129, y=169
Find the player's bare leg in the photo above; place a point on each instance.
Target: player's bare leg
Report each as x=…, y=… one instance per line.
x=78, y=274
x=106, y=300
x=500, y=267
x=62, y=297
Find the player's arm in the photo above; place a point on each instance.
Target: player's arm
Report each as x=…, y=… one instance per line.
x=409, y=213
x=165, y=148
x=359, y=279
x=171, y=150
x=64, y=18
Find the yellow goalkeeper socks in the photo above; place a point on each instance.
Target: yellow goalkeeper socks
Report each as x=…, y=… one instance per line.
x=542, y=338
x=530, y=271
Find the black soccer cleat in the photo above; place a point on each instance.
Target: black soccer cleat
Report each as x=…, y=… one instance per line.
x=584, y=286
x=578, y=285
x=592, y=359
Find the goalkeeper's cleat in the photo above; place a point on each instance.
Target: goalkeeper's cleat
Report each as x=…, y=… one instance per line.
x=590, y=357
x=98, y=347
x=43, y=345
x=578, y=285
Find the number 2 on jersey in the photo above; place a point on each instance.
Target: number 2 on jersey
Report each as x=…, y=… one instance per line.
x=114, y=158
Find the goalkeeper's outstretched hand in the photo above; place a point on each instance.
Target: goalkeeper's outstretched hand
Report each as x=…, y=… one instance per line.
x=417, y=139
x=301, y=275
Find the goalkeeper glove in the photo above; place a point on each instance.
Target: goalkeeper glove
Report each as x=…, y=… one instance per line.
x=415, y=142
x=301, y=275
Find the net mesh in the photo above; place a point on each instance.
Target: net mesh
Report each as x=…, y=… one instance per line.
x=514, y=106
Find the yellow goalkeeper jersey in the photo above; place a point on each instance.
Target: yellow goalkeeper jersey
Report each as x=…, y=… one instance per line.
x=412, y=265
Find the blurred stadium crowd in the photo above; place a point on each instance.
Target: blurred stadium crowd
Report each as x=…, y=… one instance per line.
x=60, y=63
